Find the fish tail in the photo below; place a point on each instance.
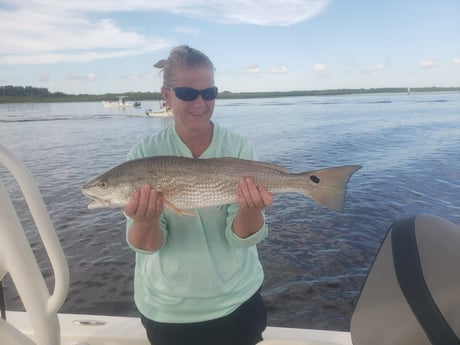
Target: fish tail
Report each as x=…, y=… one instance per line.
x=328, y=186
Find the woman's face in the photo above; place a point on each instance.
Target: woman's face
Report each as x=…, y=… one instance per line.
x=191, y=116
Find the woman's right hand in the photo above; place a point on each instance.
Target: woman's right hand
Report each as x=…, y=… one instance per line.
x=145, y=205
x=145, y=208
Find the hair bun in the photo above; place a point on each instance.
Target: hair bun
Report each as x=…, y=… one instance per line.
x=160, y=64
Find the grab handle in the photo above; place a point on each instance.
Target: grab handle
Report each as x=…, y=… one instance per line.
x=17, y=258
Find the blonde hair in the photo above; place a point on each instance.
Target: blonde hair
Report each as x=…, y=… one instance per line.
x=182, y=56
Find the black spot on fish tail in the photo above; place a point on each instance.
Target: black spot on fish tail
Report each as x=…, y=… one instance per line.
x=315, y=179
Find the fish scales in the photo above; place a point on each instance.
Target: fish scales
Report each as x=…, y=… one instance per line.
x=198, y=183
x=188, y=183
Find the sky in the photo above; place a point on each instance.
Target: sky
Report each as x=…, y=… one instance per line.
x=110, y=46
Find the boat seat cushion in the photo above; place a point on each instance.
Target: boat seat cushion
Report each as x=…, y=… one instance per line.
x=411, y=294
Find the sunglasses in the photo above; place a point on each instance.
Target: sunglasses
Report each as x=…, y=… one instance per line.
x=188, y=94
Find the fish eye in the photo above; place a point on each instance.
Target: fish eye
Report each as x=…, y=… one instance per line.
x=103, y=184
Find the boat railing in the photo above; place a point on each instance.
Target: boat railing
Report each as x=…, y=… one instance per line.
x=17, y=259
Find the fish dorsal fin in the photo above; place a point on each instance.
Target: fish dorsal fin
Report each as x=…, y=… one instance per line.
x=256, y=164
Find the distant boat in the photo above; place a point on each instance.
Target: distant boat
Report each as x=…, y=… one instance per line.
x=164, y=111
x=121, y=103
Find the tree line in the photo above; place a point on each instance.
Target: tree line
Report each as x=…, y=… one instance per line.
x=10, y=93
x=10, y=90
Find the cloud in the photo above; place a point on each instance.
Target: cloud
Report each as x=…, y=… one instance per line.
x=456, y=61
x=427, y=63
x=257, y=12
x=253, y=69
x=319, y=68
x=134, y=76
x=267, y=12
x=91, y=76
x=51, y=31
x=279, y=69
x=88, y=77
x=32, y=36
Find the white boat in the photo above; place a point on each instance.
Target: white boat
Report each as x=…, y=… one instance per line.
x=164, y=111
x=41, y=324
x=157, y=113
x=120, y=103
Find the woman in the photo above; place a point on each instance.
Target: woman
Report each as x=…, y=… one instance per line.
x=197, y=279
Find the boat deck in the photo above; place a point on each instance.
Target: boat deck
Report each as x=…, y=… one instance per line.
x=114, y=330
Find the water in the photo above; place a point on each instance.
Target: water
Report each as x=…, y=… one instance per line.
x=315, y=260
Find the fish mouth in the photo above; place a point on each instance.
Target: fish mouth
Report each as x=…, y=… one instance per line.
x=96, y=202
x=99, y=202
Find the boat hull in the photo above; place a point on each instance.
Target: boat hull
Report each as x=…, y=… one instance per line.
x=161, y=113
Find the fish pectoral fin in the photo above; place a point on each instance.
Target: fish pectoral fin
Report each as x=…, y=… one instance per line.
x=177, y=210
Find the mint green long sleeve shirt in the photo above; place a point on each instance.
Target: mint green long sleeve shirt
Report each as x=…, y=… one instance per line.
x=203, y=270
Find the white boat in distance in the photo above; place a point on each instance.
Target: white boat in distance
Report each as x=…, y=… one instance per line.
x=121, y=103
x=164, y=111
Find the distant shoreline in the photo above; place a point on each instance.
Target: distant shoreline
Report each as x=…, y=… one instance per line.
x=29, y=94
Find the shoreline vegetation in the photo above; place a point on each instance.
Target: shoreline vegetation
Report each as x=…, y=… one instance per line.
x=29, y=94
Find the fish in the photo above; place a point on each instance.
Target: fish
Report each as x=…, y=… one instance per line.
x=191, y=183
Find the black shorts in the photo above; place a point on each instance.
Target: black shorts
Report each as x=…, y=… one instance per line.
x=244, y=326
